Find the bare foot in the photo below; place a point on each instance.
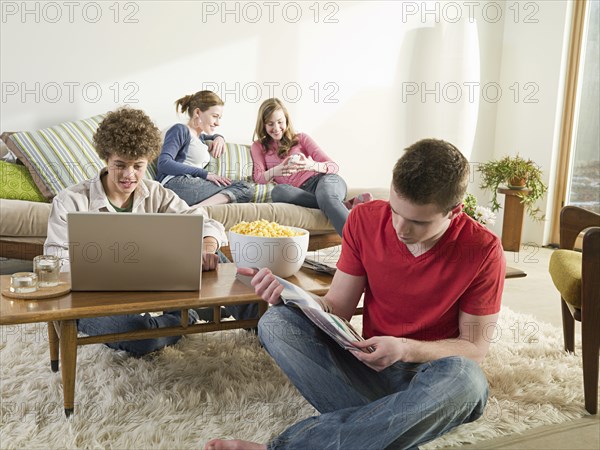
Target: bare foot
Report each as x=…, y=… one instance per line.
x=220, y=444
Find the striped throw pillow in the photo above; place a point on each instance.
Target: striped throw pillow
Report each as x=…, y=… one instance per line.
x=59, y=156
x=236, y=163
x=262, y=193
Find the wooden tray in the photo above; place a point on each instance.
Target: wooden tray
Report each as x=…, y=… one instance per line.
x=42, y=293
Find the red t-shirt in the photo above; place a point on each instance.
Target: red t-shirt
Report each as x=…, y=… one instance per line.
x=420, y=297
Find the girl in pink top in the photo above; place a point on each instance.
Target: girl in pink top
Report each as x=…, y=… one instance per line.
x=304, y=174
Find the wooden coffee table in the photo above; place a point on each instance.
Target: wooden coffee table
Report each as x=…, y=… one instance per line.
x=219, y=288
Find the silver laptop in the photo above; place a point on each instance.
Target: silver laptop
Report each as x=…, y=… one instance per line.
x=135, y=252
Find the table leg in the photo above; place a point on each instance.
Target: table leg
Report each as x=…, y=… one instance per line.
x=262, y=308
x=53, y=343
x=512, y=224
x=68, y=361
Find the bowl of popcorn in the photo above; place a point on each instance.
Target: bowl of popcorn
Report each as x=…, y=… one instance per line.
x=267, y=244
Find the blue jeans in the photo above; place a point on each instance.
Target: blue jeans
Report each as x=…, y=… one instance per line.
x=193, y=190
x=403, y=406
x=130, y=322
x=324, y=191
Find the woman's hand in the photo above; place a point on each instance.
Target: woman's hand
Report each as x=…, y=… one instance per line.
x=265, y=284
x=307, y=163
x=388, y=350
x=217, y=147
x=218, y=179
x=285, y=169
x=299, y=162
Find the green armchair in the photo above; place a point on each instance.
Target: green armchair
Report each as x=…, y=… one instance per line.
x=576, y=275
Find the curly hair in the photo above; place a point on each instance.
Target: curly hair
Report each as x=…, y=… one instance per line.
x=289, y=138
x=432, y=171
x=128, y=133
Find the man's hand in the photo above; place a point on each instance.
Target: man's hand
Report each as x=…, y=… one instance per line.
x=210, y=261
x=265, y=284
x=218, y=179
x=217, y=147
x=388, y=350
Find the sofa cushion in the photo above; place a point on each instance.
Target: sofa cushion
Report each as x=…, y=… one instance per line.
x=59, y=156
x=565, y=271
x=17, y=183
x=20, y=218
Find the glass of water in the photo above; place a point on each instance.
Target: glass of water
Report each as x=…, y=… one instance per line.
x=47, y=269
x=23, y=282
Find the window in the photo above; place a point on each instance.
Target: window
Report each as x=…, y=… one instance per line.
x=584, y=177
x=578, y=174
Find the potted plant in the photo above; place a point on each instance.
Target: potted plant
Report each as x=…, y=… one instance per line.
x=516, y=173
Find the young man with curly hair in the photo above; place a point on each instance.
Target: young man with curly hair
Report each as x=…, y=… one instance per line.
x=432, y=280
x=127, y=140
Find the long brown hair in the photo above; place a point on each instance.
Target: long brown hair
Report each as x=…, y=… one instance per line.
x=288, y=140
x=201, y=99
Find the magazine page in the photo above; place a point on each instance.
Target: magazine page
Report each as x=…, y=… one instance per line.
x=337, y=327
x=297, y=295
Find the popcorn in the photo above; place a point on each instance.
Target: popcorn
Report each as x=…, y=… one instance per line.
x=264, y=228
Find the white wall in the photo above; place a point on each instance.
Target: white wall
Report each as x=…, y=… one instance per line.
x=365, y=79
x=533, y=55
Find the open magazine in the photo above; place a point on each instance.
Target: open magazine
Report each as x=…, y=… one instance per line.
x=337, y=327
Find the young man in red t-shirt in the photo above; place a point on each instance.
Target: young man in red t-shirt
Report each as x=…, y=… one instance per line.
x=432, y=279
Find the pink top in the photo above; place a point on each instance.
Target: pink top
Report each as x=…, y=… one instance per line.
x=265, y=161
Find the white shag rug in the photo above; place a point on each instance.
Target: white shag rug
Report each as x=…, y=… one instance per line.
x=224, y=385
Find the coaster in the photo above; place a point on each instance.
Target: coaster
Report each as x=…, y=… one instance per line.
x=42, y=293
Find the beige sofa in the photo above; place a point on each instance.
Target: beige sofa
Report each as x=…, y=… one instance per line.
x=23, y=223
x=62, y=155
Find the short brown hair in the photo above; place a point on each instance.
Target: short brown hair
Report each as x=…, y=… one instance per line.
x=128, y=133
x=432, y=171
x=202, y=100
x=288, y=140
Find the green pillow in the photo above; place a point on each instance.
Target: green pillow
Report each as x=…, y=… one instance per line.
x=17, y=183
